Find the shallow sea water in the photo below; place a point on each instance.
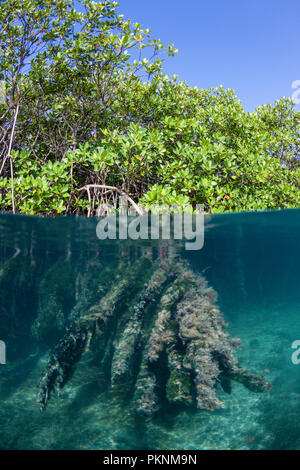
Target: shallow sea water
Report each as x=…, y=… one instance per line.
x=251, y=259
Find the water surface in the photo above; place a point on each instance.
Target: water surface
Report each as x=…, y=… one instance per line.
x=251, y=259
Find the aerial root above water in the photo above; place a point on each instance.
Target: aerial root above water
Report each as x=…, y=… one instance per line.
x=160, y=333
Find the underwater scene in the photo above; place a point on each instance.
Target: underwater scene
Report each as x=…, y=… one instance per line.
x=142, y=344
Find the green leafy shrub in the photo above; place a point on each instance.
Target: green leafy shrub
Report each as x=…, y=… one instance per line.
x=84, y=114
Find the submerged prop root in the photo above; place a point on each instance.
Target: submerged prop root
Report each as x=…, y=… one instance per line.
x=179, y=385
x=131, y=335
x=77, y=338
x=166, y=324
x=62, y=363
x=252, y=381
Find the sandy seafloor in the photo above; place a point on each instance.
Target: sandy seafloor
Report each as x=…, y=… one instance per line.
x=252, y=261
x=88, y=415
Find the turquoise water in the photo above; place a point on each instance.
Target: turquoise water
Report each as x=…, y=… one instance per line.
x=49, y=272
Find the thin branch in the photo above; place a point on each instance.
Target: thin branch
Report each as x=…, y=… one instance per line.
x=113, y=188
x=11, y=139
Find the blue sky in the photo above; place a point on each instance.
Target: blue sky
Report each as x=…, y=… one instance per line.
x=252, y=46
